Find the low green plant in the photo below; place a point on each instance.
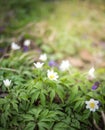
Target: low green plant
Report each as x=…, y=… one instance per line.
x=36, y=101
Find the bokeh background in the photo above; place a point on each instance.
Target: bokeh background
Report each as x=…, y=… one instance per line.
x=71, y=29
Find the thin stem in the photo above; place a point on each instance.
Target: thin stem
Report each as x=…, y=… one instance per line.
x=103, y=116
x=69, y=71
x=97, y=127
x=9, y=69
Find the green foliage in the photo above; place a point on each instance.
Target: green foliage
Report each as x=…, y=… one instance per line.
x=34, y=102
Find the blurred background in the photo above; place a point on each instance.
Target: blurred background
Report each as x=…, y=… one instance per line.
x=64, y=29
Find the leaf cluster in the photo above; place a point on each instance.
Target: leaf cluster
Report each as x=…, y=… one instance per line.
x=34, y=102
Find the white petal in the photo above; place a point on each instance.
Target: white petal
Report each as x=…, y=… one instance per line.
x=92, y=100
x=96, y=102
x=87, y=102
x=15, y=46
x=87, y=107
x=27, y=42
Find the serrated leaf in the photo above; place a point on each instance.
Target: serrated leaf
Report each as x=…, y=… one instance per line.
x=60, y=93
x=90, y=94
x=28, y=117
x=35, y=96
x=60, y=126
x=86, y=114
x=42, y=99
x=15, y=106
x=43, y=125
x=52, y=95
x=75, y=89
x=2, y=101
x=75, y=123
x=30, y=126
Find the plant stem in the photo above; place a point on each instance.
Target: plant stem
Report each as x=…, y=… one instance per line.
x=103, y=116
x=97, y=127
x=9, y=69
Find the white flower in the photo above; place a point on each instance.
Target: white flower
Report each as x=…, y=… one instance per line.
x=92, y=105
x=15, y=46
x=91, y=73
x=7, y=82
x=27, y=43
x=43, y=57
x=38, y=65
x=52, y=75
x=64, y=65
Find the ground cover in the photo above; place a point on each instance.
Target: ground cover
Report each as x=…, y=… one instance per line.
x=54, y=93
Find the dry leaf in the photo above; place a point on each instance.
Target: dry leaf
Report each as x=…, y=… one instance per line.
x=77, y=62
x=102, y=64
x=86, y=56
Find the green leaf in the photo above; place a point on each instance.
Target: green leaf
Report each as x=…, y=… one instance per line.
x=43, y=125
x=23, y=96
x=39, y=85
x=72, y=128
x=35, y=96
x=2, y=101
x=60, y=92
x=75, y=89
x=35, y=112
x=77, y=105
x=30, y=126
x=42, y=99
x=60, y=126
x=1, y=128
x=15, y=106
x=103, y=90
x=90, y=94
x=75, y=123
x=52, y=95
x=86, y=114
x=28, y=117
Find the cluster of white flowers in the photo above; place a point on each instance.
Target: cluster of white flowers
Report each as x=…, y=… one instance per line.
x=43, y=57
x=65, y=65
x=50, y=73
x=15, y=46
x=92, y=104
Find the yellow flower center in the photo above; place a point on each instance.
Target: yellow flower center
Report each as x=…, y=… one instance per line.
x=51, y=76
x=92, y=105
